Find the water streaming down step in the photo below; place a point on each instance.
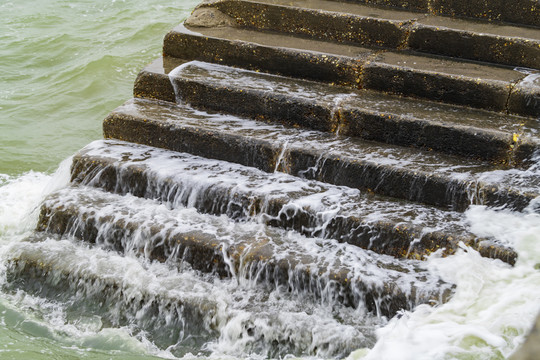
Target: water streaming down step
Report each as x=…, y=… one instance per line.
x=251, y=309
x=151, y=298
x=286, y=264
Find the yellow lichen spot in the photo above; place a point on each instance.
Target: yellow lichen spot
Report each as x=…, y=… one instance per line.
x=515, y=137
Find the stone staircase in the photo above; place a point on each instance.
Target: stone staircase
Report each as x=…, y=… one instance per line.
x=316, y=148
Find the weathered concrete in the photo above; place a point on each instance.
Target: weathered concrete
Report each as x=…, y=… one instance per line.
x=441, y=79
x=312, y=59
x=526, y=12
x=321, y=19
x=251, y=254
x=509, y=45
x=379, y=27
x=415, y=5
x=209, y=18
x=435, y=78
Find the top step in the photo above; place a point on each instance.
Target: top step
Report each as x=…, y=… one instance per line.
x=524, y=12
x=389, y=28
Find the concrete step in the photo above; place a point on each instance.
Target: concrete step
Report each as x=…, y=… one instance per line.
x=181, y=311
x=472, y=84
x=524, y=12
x=318, y=19
x=400, y=172
x=436, y=78
x=391, y=28
x=489, y=42
x=277, y=53
x=366, y=114
x=335, y=273
x=312, y=208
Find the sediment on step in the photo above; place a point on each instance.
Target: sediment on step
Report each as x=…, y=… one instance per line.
x=329, y=20
x=387, y=28
x=438, y=78
x=305, y=58
x=524, y=12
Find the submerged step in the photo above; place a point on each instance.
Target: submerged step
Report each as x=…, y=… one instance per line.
x=435, y=78
x=182, y=312
x=366, y=114
x=172, y=309
x=392, y=28
x=407, y=173
x=336, y=273
x=310, y=207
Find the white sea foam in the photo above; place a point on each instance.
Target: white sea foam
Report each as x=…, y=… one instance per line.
x=493, y=308
x=20, y=197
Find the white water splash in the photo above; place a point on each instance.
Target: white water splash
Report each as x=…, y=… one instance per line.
x=21, y=196
x=494, y=306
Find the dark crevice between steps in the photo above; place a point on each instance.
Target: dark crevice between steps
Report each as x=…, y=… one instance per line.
x=407, y=29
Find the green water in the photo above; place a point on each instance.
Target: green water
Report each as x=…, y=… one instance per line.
x=65, y=65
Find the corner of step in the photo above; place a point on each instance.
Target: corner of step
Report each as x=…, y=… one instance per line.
x=207, y=16
x=153, y=81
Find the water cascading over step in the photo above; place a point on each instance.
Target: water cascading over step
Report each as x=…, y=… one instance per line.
x=285, y=168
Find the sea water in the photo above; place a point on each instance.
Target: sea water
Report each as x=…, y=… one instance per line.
x=65, y=65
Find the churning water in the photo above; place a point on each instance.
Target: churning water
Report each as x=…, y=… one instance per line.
x=65, y=65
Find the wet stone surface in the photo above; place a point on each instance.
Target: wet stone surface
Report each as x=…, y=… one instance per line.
x=312, y=208
x=270, y=256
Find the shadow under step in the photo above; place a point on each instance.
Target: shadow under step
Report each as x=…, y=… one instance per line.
x=312, y=208
x=391, y=28
x=436, y=78
x=406, y=173
x=362, y=113
x=335, y=273
x=182, y=312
